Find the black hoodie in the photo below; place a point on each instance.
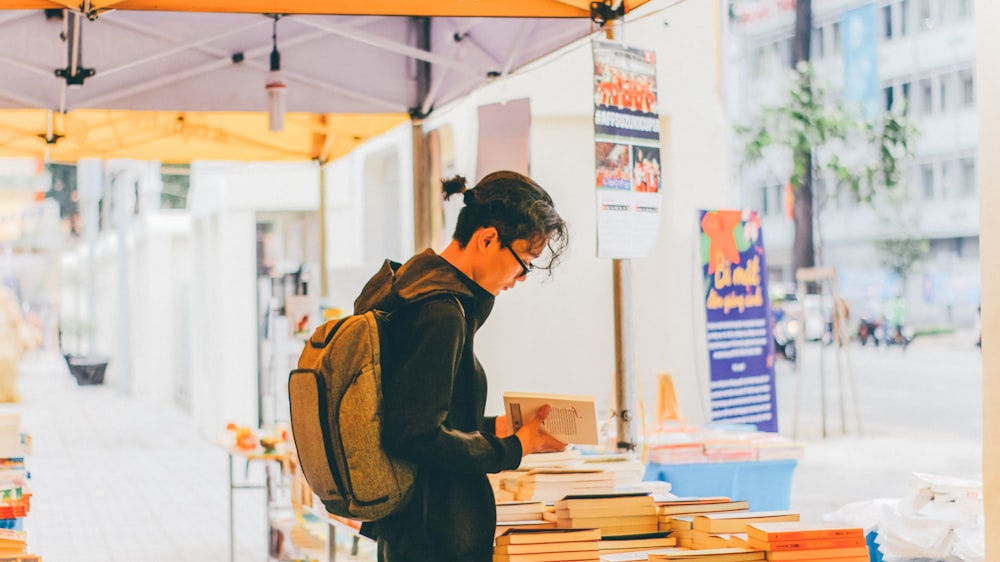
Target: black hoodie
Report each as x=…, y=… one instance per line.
x=434, y=396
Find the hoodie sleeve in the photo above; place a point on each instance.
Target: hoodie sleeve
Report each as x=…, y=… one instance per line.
x=417, y=396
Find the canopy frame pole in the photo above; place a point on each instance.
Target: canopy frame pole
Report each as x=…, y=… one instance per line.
x=422, y=198
x=324, y=291
x=623, y=319
x=624, y=365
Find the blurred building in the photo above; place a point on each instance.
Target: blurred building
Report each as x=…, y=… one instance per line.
x=925, y=57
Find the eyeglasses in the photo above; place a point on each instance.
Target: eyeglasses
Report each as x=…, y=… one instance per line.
x=526, y=268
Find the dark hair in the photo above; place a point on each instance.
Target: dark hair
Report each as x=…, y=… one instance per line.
x=513, y=204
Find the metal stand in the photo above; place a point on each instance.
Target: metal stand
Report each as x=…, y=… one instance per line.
x=826, y=280
x=244, y=486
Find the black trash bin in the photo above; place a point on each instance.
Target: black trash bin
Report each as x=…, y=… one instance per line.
x=87, y=370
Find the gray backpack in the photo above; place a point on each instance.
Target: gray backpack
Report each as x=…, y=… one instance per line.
x=335, y=398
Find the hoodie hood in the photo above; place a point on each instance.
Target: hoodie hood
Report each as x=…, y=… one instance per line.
x=425, y=275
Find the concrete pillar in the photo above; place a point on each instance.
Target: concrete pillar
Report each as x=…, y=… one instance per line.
x=987, y=92
x=90, y=188
x=124, y=184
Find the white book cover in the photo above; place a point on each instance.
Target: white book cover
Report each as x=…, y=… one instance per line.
x=573, y=419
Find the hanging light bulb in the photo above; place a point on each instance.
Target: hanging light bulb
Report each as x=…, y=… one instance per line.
x=276, y=87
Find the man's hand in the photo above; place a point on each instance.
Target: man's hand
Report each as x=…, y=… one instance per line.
x=503, y=430
x=533, y=437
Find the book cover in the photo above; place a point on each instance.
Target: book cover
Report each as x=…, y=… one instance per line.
x=789, y=530
x=825, y=554
x=605, y=500
x=806, y=544
x=527, y=536
x=711, y=554
x=570, y=548
x=573, y=418
x=684, y=509
x=736, y=522
x=583, y=555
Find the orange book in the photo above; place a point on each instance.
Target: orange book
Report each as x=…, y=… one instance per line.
x=736, y=521
x=825, y=554
x=806, y=544
x=796, y=531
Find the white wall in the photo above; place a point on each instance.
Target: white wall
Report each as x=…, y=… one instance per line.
x=224, y=201
x=161, y=272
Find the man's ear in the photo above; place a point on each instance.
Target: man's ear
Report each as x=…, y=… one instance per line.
x=488, y=236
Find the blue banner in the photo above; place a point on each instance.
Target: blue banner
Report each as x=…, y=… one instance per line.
x=738, y=312
x=861, y=60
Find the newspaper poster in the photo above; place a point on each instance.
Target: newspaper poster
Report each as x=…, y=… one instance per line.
x=627, y=150
x=738, y=313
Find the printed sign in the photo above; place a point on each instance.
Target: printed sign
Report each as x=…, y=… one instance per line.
x=627, y=150
x=740, y=345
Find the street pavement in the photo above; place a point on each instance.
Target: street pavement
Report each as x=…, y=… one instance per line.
x=920, y=410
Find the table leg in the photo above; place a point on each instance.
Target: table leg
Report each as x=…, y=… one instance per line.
x=331, y=545
x=232, y=533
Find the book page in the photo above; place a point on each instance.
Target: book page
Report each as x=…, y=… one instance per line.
x=573, y=418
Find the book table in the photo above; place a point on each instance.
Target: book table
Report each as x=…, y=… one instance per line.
x=252, y=455
x=767, y=485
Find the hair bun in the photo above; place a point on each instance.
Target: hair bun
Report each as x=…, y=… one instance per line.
x=453, y=186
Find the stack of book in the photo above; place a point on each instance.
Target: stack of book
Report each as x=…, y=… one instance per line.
x=627, y=468
x=613, y=514
x=715, y=530
x=505, y=484
x=681, y=528
x=550, y=484
x=635, y=543
x=775, y=447
x=707, y=555
x=679, y=507
x=15, y=496
x=519, y=511
x=730, y=448
x=548, y=545
x=12, y=544
x=808, y=541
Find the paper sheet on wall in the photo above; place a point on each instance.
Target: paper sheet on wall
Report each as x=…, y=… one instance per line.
x=627, y=150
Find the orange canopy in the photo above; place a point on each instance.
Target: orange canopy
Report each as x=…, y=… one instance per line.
x=177, y=136
x=450, y=8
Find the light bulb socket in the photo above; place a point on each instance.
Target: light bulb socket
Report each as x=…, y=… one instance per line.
x=275, y=59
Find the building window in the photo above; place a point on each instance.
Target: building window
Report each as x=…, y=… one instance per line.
x=927, y=180
x=926, y=99
x=964, y=9
x=817, y=43
x=968, y=166
x=925, y=17
x=887, y=97
x=762, y=67
x=967, y=77
x=944, y=82
x=765, y=207
x=904, y=14
x=947, y=180
x=836, y=37
x=904, y=89
x=887, y=22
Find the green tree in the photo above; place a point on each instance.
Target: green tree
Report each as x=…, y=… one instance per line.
x=816, y=130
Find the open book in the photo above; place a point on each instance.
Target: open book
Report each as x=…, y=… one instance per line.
x=573, y=418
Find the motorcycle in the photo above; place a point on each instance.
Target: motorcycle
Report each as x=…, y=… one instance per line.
x=897, y=334
x=785, y=333
x=868, y=330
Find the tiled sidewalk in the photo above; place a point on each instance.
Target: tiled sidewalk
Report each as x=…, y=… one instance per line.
x=119, y=479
